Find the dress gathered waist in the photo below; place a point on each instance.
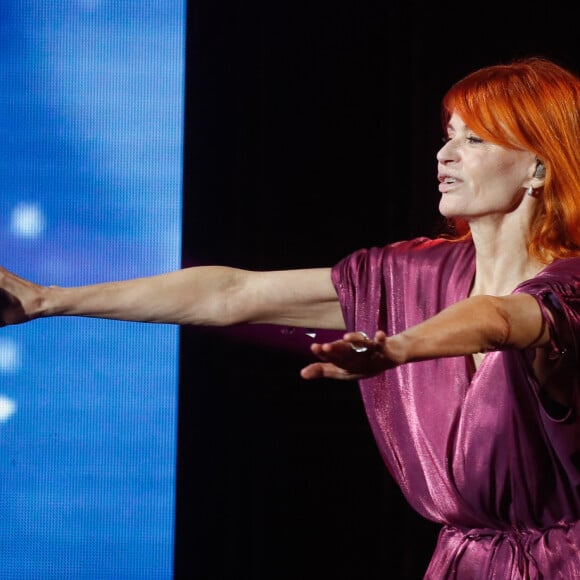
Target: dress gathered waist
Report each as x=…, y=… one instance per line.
x=513, y=531
x=515, y=553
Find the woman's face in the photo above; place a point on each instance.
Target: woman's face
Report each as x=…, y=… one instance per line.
x=479, y=179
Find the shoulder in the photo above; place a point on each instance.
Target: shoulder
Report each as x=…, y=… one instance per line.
x=567, y=268
x=561, y=275
x=557, y=287
x=418, y=265
x=557, y=291
x=417, y=250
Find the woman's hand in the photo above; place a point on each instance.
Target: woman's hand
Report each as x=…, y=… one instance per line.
x=19, y=298
x=353, y=357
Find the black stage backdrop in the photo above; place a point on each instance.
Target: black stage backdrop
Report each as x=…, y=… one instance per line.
x=311, y=130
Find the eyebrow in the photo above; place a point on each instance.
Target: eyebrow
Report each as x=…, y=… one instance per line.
x=450, y=126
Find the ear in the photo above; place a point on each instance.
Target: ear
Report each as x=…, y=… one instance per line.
x=539, y=177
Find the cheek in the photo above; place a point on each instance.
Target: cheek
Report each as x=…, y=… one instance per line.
x=503, y=169
x=476, y=172
x=487, y=179
x=511, y=170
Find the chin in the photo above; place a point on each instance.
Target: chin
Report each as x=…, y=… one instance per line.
x=448, y=212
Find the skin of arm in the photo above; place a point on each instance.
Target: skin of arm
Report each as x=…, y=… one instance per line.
x=203, y=295
x=223, y=296
x=474, y=325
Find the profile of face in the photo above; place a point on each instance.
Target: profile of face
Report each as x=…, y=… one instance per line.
x=479, y=179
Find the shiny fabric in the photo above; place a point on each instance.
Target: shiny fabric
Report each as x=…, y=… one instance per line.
x=477, y=452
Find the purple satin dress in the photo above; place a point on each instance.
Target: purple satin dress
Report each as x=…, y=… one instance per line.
x=482, y=454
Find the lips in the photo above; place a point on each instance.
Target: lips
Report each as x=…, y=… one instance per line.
x=445, y=178
x=446, y=182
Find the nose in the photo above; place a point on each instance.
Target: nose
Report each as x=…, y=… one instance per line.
x=447, y=152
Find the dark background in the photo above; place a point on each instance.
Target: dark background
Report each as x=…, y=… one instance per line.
x=311, y=130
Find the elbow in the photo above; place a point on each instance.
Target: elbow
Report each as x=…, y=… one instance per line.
x=495, y=323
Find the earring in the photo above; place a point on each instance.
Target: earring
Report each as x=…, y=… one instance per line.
x=530, y=191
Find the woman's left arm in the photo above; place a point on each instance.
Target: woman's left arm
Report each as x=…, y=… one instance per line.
x=475, y=325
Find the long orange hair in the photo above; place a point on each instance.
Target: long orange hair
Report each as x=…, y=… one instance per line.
x=531, y=103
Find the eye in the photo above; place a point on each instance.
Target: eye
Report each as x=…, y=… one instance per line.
x=474, y=139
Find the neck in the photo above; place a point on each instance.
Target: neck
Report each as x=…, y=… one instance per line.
x=502, y=260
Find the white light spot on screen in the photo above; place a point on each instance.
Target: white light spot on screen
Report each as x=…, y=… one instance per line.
x=10, y=359
x=7, y=408
x=27, y=220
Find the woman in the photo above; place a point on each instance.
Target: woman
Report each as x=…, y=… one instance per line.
x=470, y=381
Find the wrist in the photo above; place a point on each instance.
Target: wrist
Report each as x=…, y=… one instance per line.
x=398, y=348
x=48, y=303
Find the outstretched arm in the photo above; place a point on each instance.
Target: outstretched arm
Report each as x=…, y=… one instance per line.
x=474, y=325
x=204, y=295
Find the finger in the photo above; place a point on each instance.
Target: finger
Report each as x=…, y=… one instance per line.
x=311, y=371
x=325, y=370
x=380, y=336
x=321, y=350
x=358, y=336
x=359, y=341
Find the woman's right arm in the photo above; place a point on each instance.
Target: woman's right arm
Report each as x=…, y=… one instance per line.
x=202, y=295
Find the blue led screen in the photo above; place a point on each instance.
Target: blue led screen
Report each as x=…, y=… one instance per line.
x=91, y=118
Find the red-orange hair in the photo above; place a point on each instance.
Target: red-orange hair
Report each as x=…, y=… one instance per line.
x=534, y=104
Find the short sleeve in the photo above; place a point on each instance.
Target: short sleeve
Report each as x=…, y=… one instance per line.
x=557, y=290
